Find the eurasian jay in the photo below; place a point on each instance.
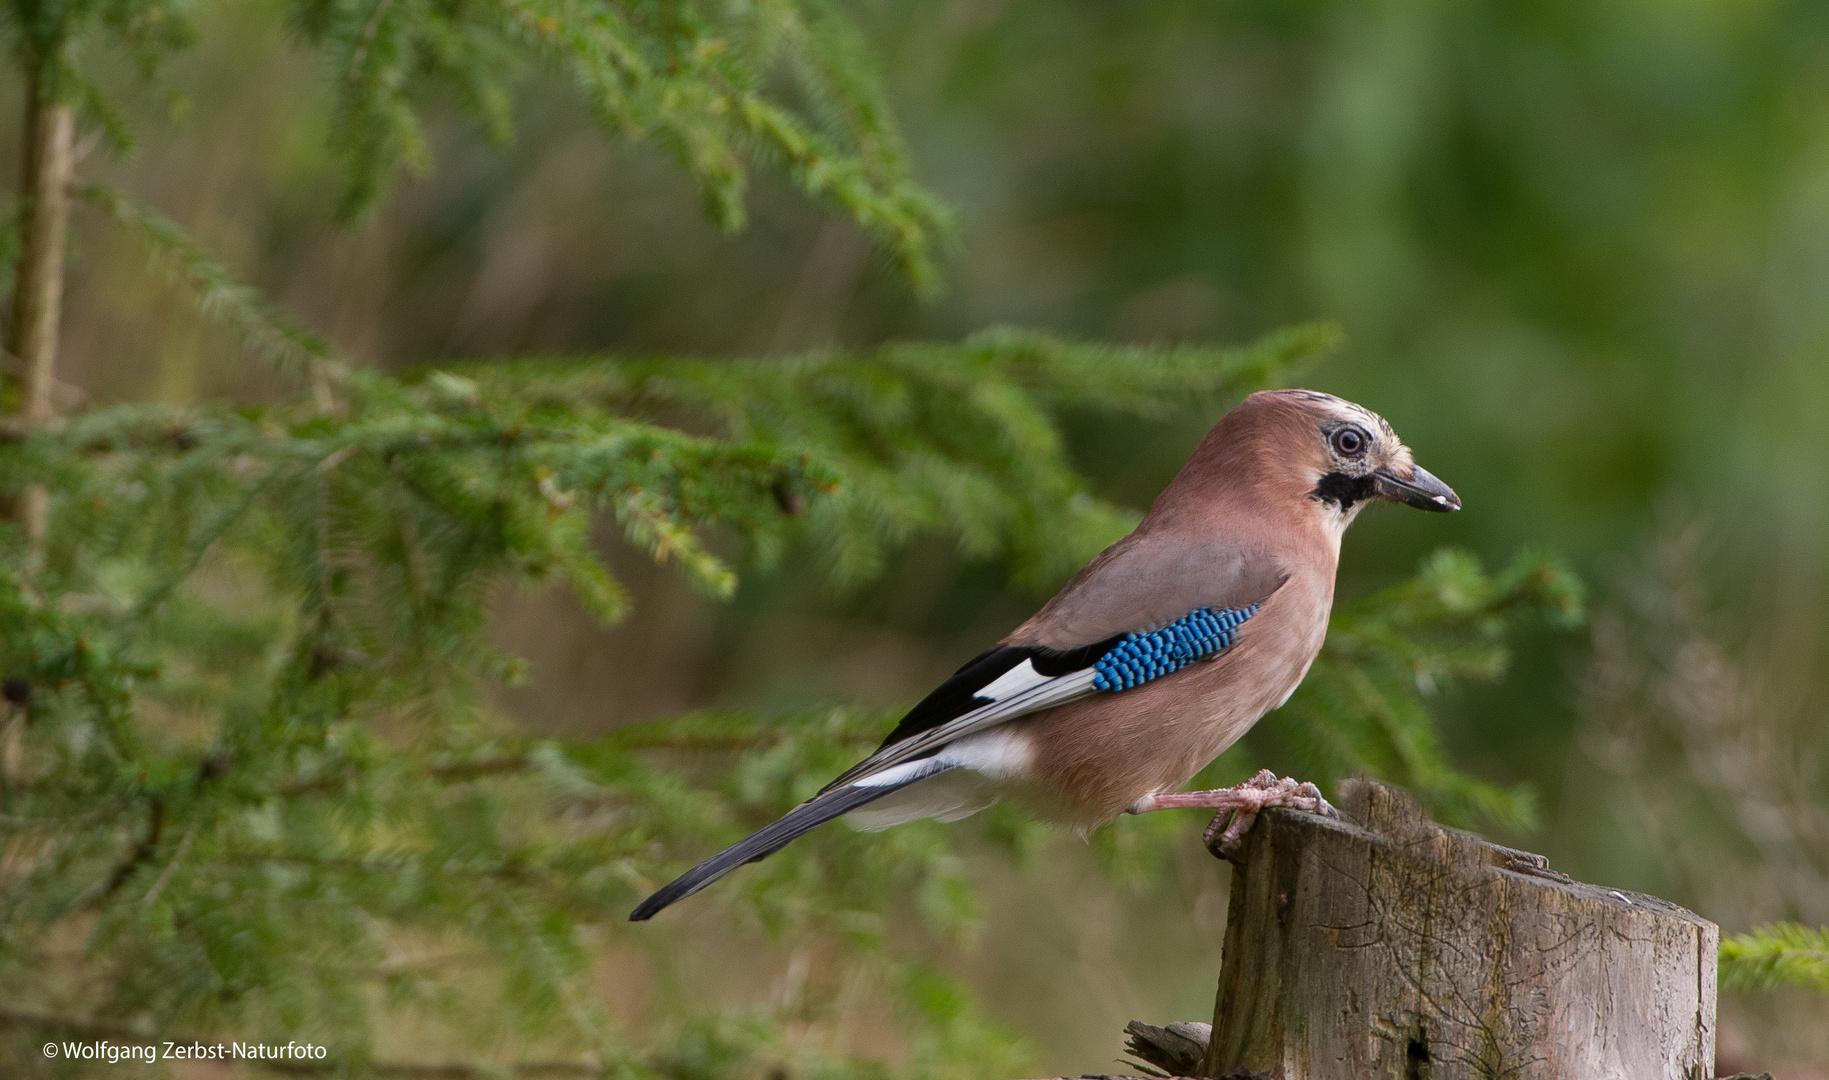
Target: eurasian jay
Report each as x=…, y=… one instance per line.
x=1154, y=659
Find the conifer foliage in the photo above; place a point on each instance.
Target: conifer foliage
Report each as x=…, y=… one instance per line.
x=1775, y=955
x=250, y=784
x=722, y=87
x=254, y=762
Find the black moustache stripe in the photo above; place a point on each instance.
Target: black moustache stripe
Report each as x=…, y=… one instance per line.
x=1344, y=490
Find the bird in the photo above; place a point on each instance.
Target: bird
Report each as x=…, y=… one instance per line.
x=1154, y=659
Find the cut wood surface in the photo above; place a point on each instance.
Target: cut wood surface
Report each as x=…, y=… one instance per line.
x=1384, y=945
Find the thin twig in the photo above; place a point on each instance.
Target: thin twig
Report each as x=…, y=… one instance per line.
x=171, y=867
x=142, y=852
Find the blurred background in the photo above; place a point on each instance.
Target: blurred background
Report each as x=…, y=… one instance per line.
x=1580, y=252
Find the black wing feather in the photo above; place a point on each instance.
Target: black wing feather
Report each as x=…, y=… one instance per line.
x=959, y=695
x=955, y=696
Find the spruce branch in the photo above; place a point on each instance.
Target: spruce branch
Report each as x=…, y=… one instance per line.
x=1778, y=954
x=700, y=81
x=294, y=603
x=265, y=331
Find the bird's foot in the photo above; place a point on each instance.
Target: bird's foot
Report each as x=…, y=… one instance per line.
x=1238, y=806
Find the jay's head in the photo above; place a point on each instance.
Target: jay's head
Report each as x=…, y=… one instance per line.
x=1334, y=454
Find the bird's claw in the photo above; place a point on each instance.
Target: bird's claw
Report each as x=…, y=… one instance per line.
x=1238, y=806
x=1229, y=826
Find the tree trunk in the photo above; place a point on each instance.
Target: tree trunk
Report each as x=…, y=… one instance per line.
x=1395, y=948
x=44, y=203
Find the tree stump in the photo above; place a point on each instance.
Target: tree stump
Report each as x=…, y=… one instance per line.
x=1385, y=945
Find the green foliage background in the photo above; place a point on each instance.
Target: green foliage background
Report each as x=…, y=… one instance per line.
x=279, y=780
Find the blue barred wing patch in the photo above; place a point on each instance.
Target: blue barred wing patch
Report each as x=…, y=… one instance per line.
x=1138, y=658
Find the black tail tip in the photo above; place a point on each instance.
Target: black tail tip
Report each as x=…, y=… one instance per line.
x=646, y=910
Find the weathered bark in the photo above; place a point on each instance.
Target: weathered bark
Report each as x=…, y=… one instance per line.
x=44, y=191
x=1388, y=946
x=1176, y=1050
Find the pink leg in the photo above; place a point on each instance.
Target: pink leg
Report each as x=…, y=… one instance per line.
x=1239, y=804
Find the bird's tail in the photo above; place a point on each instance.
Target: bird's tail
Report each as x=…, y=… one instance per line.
x=773, y=837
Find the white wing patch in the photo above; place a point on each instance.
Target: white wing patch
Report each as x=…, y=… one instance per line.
x=1046, y=694
x=1014, y=681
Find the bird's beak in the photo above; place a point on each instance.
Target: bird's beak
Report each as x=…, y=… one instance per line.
x=1421, y=490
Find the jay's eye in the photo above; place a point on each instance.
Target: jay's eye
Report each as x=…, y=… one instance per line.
x=1350, y=442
